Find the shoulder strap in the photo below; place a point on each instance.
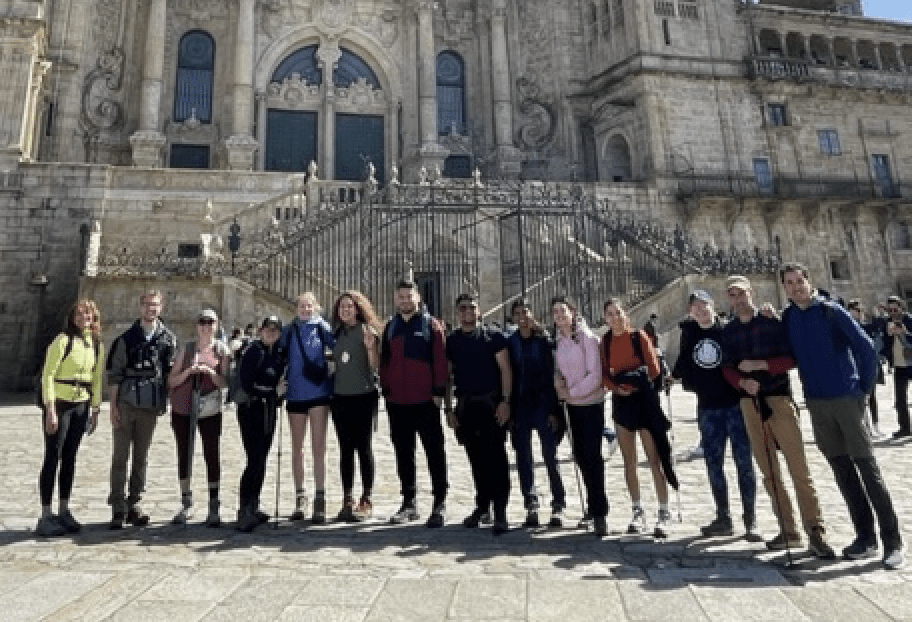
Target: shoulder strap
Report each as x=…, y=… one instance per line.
x=297, y=334
x=635, y=341
x=68, y=348
x=189, y=353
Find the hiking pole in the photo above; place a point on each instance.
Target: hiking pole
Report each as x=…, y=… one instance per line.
x=776, y=499
x=674, y=456
x=278, y=414
x=579, y=485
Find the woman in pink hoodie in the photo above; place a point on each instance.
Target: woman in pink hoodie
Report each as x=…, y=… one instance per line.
x=579, y=384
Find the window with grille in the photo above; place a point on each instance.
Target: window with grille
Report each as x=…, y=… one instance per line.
x=618, y=13
x=688, y=10
x=304, y=63
x=195, y=65
x=776, y=114
x=606, y=20
x=829, y=142
x=451, y=112
x=351, y=68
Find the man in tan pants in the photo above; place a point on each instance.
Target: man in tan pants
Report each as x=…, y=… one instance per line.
x=756, y=359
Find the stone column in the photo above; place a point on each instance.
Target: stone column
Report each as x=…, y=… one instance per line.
x=328, y=56
x=854, y=59
x=241, y=146
x=501, y=80
x=831, y=50
x=148, y=141
x=33, y=112
x=783, y=44
x=807, y=48
x=431, y=153
x=21, y=72
x=877, y=58
x=262, y=110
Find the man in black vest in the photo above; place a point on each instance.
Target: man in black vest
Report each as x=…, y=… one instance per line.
x=138, y=368
x=480, y=365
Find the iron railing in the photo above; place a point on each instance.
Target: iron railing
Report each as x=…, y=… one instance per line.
x=783, y=187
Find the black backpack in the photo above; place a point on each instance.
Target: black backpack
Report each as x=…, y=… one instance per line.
x=635, y=341
x=37, y=385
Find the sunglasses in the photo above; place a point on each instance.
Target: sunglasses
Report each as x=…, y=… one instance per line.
x=894, y=310
x=206, y=322
x=463, y=308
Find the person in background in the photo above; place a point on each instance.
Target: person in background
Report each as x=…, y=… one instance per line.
x=874, y=327
x=895, y=348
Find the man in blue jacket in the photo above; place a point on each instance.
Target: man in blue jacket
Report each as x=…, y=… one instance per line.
x=837, y=364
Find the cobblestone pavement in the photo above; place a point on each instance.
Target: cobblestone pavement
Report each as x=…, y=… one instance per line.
x=374, y=571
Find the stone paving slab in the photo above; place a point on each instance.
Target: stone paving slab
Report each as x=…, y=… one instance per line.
x=374, y=571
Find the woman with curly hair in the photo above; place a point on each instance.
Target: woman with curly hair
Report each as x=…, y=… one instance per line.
x=71, y=385
x=354, y=404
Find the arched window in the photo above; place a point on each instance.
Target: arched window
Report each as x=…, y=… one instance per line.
x=351, y=67
x=195, y=64
x=304, y=63
x=451, y=113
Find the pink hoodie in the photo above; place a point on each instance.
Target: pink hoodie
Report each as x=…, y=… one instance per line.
x=581, y=366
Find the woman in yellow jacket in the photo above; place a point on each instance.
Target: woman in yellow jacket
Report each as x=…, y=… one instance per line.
x=71, y=386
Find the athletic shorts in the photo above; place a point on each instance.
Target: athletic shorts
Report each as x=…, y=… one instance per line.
x=302, y=406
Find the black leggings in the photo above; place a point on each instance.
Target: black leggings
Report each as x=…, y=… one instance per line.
x=257, y=426
x=353, y=418
x=73, y=416
x=210, y=429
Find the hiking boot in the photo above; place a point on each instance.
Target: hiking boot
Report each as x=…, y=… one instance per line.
x=473, y=520
x=261, y=516
x=720, y=526
x=436, y=519
x=136, y=517
x=247, y=520
x=531, y=519
x=49, y=527
x=117, y=521
x=66, y=520
x=751, y=534
x=894, y=558
x=861, y=548
x=347, y=513
x=212, y=518
x=637, y=521
x=364, y=510
x=500, y=525
x=318, y=516
x=783, y=541
x=663, y=524
x=601, y=526
x=585, y=521
x=185, y=512
x=486, y=517
x=406, y=513
x=817, y=543
x=557, y=517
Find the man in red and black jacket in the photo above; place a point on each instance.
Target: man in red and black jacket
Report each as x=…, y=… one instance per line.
x=413, y=378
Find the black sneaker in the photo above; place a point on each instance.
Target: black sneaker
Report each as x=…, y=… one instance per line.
x=405, y=514
x=901, y=434
x=436, y=519
x=601, y=526
x=136, y=517
x=473, y=520
x=720, y=526
x=500, y=525
x=817, y=543
x=66, y=520
x=531, y=519
x=117, y=521
x=49, y=527
x=861, y=548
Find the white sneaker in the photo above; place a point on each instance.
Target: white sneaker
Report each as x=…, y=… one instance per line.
x=663, y=524
x=184, y=514
x=697, y=452
x=894, y=559
x=638, y=522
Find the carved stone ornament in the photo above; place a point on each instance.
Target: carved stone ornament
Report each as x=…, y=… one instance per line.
x=335, y=14
x=101, y=108
x=361, y=95
x=293, y=91
x=192, y=130
x=202, y=10
x=537, y=122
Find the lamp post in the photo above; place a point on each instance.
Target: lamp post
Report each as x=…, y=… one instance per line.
x=40, y=282
x=234, y=242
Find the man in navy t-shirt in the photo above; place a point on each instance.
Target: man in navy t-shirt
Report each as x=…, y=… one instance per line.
x=480, y=367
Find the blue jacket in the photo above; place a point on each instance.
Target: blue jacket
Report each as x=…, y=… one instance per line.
x=315, y=337
x=835, y=357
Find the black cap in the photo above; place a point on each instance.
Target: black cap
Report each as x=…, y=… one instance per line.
x=471, y=299
x=272, y=321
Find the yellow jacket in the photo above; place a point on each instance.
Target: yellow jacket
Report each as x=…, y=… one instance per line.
x=77, y=366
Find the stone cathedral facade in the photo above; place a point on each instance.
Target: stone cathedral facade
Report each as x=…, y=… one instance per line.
x=134, y=125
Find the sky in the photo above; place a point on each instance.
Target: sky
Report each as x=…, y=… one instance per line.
x=900, y=10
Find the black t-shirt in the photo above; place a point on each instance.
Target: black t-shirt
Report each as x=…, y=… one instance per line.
x=475, y=368
x=700, y=366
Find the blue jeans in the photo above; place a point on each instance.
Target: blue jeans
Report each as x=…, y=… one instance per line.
x=533, y=415
x=717, y=425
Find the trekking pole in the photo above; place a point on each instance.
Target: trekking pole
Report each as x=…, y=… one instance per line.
x=674, y=456
x=579, y=484
x=776, y=499
x=278, y=414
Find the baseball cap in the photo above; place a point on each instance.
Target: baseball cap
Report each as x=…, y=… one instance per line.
x=207, y=314
x=271, y=321
x=738, y=281
x=467, y=299
x=701, y=295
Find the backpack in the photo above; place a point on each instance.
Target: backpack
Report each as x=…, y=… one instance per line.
x=426, y=333
x=37, y=385
x=236, y=392
x=638, y=352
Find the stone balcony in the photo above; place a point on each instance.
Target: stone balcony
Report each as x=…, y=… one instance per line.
x=799, y=70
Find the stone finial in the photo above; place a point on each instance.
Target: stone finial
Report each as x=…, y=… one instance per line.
x=438, y=175
x=312, y=171
x=476, y=178
x=409, y=270
x=207, y=217
x=394, y=175
x=423, y=178
x=371, y=172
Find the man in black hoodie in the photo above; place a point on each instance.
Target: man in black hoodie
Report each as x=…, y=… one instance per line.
x=699, y=366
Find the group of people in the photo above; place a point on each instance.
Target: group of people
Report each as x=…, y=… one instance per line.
x=503, y=385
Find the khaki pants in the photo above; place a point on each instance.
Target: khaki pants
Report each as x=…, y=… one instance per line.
x=136, y=429
x=783, y=428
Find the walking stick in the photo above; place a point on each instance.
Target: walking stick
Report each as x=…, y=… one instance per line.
x=674, y=456
x=278, y=414
x=579, y=485
x=776, y=499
